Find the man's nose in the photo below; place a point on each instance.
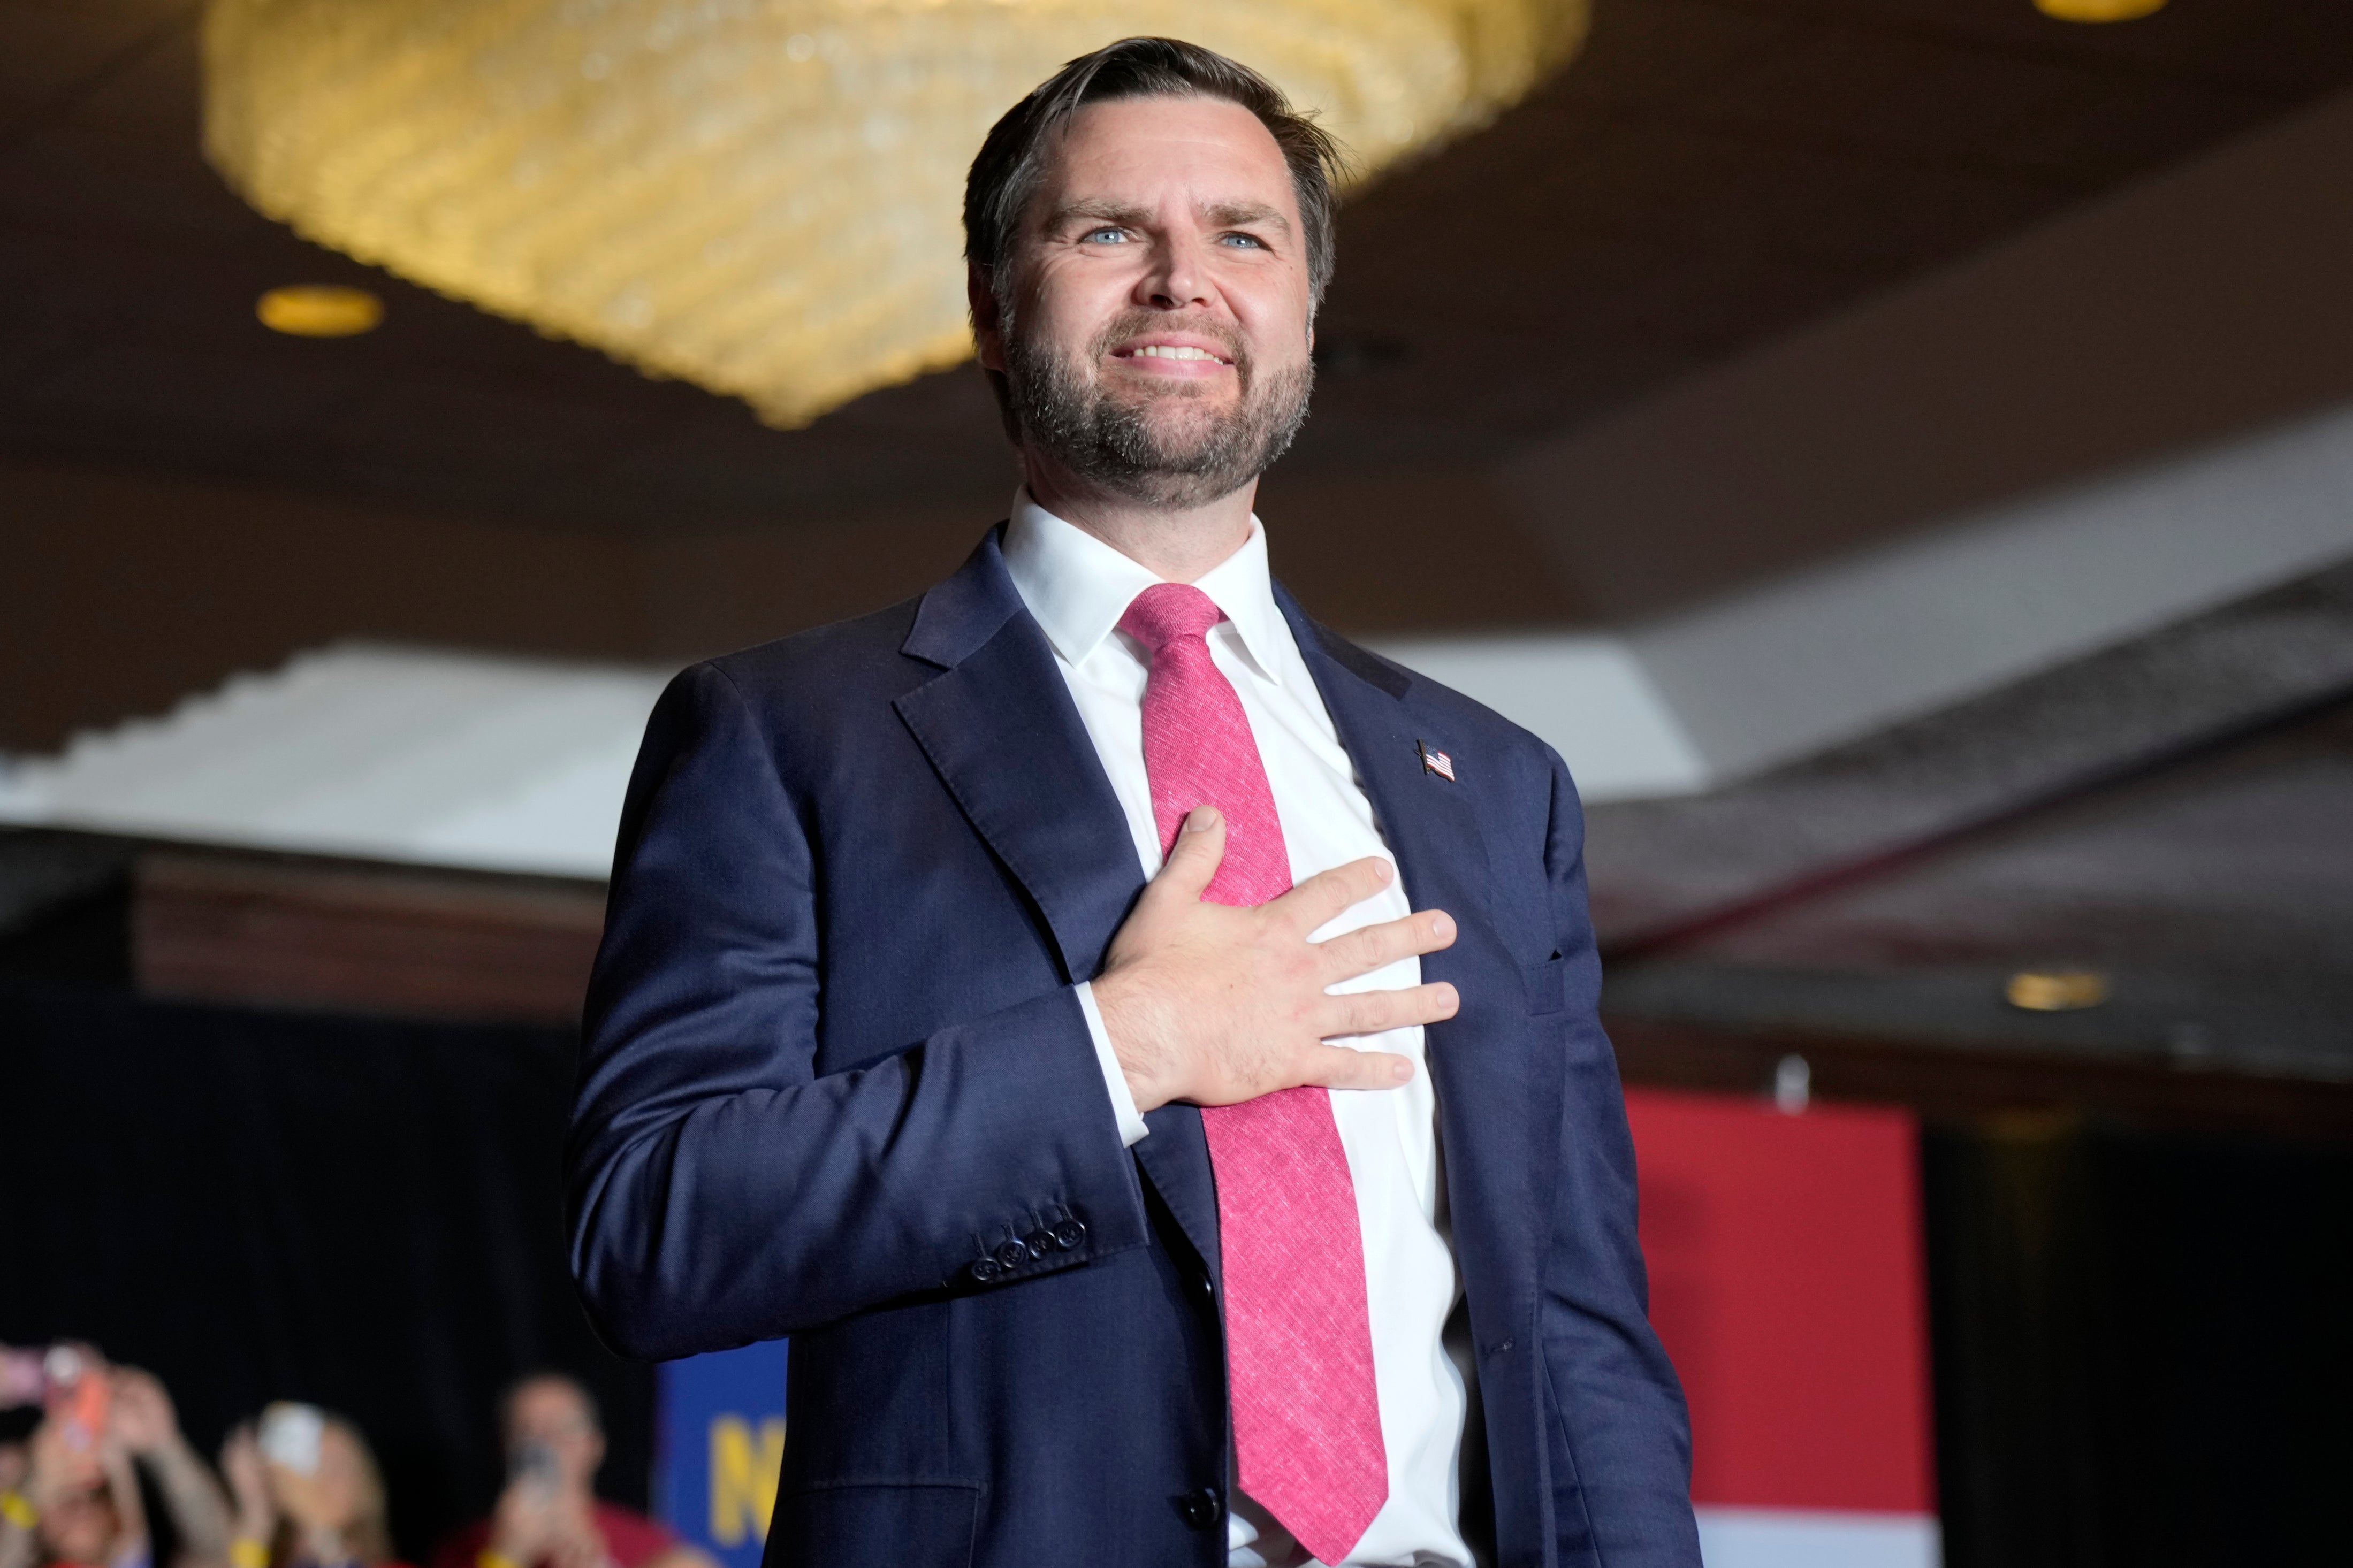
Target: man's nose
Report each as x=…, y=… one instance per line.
x=1178, y=278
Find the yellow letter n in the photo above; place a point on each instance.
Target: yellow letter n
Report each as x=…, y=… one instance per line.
x=744, y=1478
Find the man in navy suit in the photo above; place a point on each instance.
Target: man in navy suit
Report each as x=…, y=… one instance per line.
x=1141, y=1046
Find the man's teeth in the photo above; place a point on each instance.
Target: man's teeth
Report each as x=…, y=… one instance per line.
x=1171, y=350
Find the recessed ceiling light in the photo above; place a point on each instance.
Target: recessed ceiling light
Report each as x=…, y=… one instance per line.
x=2056, y=990
x=2098, y=10
x=320, y=310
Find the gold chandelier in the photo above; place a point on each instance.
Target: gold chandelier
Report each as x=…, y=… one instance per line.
x=760, y=196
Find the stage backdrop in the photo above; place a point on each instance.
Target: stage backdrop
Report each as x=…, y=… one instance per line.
x=1786, y=1277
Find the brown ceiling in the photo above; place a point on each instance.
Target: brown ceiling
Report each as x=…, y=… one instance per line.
x=1710, y=173
x=2215, y=893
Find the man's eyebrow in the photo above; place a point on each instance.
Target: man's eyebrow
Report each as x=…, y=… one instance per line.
x=1099, y=211
x=1241, y=215
x=1224, y=215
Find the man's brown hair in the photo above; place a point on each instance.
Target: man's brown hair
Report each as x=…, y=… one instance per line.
x=1006, y=173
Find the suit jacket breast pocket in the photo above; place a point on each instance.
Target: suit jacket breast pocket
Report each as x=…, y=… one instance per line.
x=868, y=1524
x=1546, y=984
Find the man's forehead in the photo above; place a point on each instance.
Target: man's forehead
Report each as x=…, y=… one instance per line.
x=1114, y=151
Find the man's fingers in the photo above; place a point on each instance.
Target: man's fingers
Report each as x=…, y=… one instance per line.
x=1337, y=1067
x=1193, y=859
x=1327, y=893
x=1372, y=947
x=1370, y=1012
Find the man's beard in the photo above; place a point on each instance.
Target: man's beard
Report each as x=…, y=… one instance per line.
x=1167, y=449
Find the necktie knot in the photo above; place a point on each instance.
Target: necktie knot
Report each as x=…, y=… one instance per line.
x=1168, y=612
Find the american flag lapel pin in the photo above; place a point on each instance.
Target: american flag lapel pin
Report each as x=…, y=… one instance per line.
x=1434, y=761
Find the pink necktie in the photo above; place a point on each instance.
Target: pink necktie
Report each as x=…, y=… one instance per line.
x=1307, y=1421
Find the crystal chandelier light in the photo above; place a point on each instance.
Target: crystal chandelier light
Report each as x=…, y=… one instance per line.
x=760, y=196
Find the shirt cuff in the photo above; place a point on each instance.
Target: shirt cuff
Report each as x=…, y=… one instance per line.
x=1132, y=1129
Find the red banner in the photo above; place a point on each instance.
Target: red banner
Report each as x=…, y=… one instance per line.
x=1787, y=1280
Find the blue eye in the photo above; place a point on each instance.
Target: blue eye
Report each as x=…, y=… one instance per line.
x=1248, y=239
x=1118, y=234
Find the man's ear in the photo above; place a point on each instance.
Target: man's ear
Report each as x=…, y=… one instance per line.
x=987, y=324
x=988, y=345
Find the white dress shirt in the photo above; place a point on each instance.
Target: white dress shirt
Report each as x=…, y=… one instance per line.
x=1078, y=587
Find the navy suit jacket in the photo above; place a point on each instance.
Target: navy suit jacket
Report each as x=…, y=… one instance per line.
x=837, y=1086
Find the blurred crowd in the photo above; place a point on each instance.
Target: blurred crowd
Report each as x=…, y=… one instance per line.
x=297, y=1487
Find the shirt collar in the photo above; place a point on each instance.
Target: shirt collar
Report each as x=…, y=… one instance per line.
x=1077, y=586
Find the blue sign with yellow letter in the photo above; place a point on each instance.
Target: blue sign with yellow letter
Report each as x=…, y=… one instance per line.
x=719, y=1441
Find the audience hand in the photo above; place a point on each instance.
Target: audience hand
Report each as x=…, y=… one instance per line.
x=539, y=1522
x=60, y=1467
x=1215, y=1004
x=249, y=1485
x=19, y=1547
x=139, y=1416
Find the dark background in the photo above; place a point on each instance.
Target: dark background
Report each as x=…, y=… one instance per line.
x=2141, y=1348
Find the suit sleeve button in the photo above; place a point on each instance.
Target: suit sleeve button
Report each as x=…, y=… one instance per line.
x=985, y=1269
x=1040, y=1242
x=1069, y=1233
x=1012, y=1254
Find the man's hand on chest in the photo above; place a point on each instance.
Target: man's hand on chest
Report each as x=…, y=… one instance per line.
x=1215, y=1004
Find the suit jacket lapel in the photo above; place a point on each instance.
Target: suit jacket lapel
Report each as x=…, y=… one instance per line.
x=998, y=726
x=1443, y=857
x=1426, y=819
